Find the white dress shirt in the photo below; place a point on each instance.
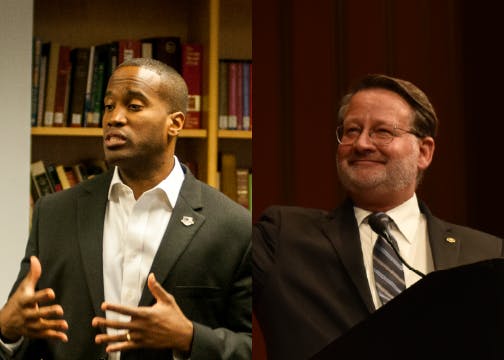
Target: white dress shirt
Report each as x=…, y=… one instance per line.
x=133, y=230
x=410, y=231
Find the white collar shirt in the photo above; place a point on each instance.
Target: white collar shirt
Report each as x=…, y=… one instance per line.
x=411, y=234
x=133, y=230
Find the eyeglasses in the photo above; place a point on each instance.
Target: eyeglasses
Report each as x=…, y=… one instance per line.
x=380, y=136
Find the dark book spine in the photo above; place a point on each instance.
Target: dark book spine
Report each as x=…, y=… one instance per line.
x=80, y=61
x=53, y=177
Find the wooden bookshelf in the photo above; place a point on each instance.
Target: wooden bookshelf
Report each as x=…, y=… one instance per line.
x=98, y=132
x=223, y=27
x=235, y=134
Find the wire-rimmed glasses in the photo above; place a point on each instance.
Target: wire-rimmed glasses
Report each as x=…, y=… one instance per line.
x=381, y=135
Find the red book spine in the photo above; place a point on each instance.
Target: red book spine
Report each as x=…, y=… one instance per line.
x=62, y=87
x=192, y=73
x=232, y=96
x=129, y=49
x=239, y=96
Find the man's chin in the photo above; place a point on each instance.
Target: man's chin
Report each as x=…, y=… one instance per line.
x=113, y=159
x=363, y=177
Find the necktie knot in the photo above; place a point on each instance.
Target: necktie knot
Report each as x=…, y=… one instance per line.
x=379, y=222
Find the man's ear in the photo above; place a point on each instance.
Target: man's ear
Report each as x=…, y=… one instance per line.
x=176, y=123
x=427, y=146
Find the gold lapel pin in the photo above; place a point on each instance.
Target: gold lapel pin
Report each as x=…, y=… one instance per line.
x=451, y=240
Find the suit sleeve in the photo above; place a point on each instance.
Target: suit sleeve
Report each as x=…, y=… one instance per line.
x=264, y=240
x=234, y=341
x=17, y=350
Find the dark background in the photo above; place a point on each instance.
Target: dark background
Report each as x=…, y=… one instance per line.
x=306, y=54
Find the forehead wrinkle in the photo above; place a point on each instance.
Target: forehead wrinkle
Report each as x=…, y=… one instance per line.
x=145, y=78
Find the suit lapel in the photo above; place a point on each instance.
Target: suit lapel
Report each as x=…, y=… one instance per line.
x=184, y=223
x=342, y=230
x=445, y=248
x=91, y=205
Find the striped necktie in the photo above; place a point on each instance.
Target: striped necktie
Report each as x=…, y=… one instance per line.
x=388, y=270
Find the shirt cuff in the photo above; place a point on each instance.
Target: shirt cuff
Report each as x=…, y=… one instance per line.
x=177, y=355
x=10, y=348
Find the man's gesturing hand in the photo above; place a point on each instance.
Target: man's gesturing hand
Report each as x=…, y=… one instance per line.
x=162, y=325
x=22, y=315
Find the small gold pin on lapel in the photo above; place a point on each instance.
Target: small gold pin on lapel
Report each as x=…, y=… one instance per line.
x=451, y=240
x=187, y=220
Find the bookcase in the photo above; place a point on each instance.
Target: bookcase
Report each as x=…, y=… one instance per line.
x=223, y=27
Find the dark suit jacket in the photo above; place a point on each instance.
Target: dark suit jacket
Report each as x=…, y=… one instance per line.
x=310, y=284
x=205, y=266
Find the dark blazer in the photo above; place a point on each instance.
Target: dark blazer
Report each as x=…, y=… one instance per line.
x=310, y=284
x=205, y=266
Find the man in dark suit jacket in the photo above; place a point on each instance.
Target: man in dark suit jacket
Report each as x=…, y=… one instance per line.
x=313, y=270
x=196, y=300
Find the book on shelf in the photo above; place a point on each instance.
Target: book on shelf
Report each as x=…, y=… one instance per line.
x=95, y=167
x=223, y=94
x=235, y=94
x=36, y=58
x=76, y=78
x=80, y=172
x=61, y=98
x=146, y=49
x=192, y=73
x=167, y=49
x=65, y=183
x=246, y=90
x=111, y=57
x=228, y=183
x=44, y=58
x=239, y=96
x=105, y=62
x=94, y=101
x=242, y=187
x=88, y=112
x=250, y=96
x=40, y=180
x=53, y=177
x=71, y=175
x=128, y=49
x=232, y=95
x=52, y=76
x=80, y=64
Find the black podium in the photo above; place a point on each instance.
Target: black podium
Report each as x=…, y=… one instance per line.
x=450, y=314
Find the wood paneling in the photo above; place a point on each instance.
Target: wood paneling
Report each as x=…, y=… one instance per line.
x=306, y=54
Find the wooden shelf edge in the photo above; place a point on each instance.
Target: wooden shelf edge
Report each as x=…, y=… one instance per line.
x=235, y=134
x=193, y=133
x=97, y=132
x=66, y=131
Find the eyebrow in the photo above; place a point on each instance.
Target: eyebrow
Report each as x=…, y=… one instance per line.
x=130, y=94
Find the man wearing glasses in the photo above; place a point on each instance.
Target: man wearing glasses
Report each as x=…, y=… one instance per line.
x=318, y=274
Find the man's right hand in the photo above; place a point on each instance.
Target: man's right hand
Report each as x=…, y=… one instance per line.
x=22, y=315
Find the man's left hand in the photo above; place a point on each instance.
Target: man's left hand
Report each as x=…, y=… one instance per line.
x=162, y=325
